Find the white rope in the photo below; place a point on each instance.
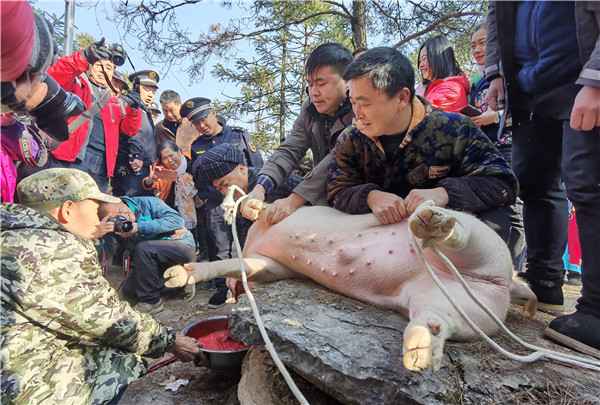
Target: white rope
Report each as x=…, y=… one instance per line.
x=230, y=213
x=539, y=352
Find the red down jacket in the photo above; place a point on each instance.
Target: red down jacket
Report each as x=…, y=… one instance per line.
x=67, y=72
x=449, y=94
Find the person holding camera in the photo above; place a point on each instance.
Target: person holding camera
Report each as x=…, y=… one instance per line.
x=157, y=235
x=67, y=338
x=93, y=144
x=28, y=94
x=137, y=153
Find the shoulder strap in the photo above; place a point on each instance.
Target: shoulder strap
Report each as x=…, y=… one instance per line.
x=90, y=112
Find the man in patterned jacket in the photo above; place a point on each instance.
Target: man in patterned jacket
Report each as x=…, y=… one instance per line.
x=66, y=336
x=401, y=152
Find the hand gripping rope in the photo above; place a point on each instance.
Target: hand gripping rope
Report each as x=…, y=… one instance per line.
x=230, y=208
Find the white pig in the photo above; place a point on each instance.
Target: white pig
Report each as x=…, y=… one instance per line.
x=357, y=256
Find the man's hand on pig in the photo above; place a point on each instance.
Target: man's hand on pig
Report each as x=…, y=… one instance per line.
x=418, y=196
x=283, y=208
x=179, y=276
x=187, y=349
x=388, y=208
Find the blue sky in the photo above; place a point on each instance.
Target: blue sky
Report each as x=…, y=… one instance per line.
x=93, y=21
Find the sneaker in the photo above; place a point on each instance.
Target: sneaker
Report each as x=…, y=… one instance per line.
x=217, y=300
x=189, y=292
x=578, y=331
x=573, y=278
x=151, y=309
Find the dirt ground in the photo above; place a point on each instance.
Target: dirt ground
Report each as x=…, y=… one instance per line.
x=207, y=386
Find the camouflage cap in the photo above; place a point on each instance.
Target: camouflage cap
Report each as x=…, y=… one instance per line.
x=50, y=188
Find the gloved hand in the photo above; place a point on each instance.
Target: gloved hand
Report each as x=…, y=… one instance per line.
x=96, y=51
x=133, y=99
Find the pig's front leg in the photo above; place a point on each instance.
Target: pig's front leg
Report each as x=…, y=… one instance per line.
x=259, y=269
x=426, y=333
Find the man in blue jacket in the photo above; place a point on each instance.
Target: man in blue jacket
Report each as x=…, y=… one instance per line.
x=158, y=237
x=550, y=54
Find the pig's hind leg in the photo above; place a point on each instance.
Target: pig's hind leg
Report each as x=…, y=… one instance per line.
x=438, y=225
x=259, y=269
x=431, y=323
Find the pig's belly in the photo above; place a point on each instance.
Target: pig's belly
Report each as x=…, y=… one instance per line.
x=352, y=254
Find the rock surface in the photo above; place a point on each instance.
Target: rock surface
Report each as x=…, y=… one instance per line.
x=353, y=352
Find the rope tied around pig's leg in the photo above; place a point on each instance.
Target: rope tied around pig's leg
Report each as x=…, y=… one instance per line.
x=230, y=208
x=539, y=352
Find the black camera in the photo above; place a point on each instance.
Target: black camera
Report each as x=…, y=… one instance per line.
x=118, y=54
x=122, y=224
x=52, y=113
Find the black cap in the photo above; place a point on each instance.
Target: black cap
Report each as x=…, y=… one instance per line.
x=217, y=162
x=195, y=108
x=147, y=77
x=121, y=77
x=154, y=107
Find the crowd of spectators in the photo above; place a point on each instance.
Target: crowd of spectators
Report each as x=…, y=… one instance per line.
x=380, y=144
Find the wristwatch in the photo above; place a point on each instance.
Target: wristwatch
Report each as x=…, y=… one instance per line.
x=497, y=117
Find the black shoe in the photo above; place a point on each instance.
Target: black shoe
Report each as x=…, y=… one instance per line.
x=548, y=293
x=573, y=278
x=578, y=331
x=217, y=300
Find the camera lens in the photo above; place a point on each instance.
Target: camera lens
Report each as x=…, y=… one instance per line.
x=118, y=54
x=126, y=226
x=122, y=224
x=52, y=113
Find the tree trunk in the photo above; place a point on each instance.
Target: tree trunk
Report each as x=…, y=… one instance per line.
x=282, y=87
x=359, y=24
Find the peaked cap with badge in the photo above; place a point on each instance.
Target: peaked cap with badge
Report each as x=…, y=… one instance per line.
x=146, y=77
x=195, y=108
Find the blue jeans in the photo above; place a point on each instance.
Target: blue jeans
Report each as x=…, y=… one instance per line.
x=536, y=160
x=93, y=164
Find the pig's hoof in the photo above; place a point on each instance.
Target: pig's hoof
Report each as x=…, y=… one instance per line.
x=417, y=348
x=432, y=223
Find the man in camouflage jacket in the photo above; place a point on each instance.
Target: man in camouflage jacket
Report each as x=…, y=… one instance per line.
x=66, y=336
x=401, y=152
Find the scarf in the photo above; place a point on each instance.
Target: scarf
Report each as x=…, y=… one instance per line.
x=184, y=194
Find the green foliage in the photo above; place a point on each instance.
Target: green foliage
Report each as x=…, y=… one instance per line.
x=280, y=34
x=56, y=22
x=82, y=41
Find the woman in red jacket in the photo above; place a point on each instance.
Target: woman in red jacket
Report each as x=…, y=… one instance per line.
x=444, y=83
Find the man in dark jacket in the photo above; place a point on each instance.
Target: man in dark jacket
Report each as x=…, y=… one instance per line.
x=321, y=119
x=214, y=132
x=401, y=152
x=224, y=166
x=137, y=153
x=550, y=54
